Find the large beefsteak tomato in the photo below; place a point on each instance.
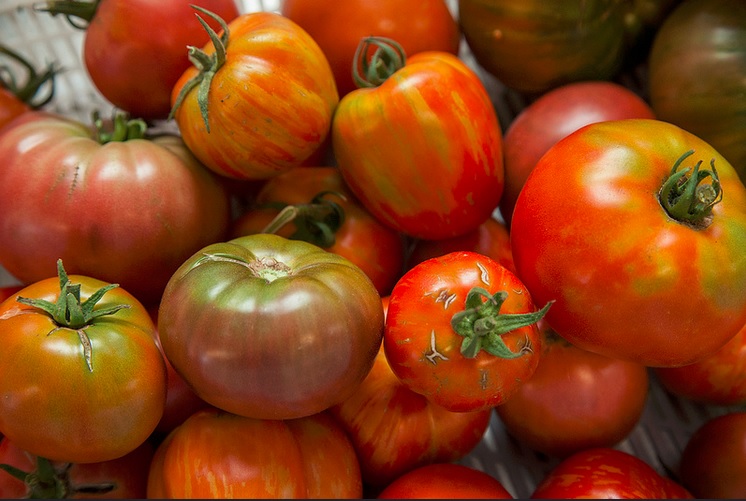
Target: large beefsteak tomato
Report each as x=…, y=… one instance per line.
x=268, y=327
x=420, y=145
x=636, y=228
x=259, y=98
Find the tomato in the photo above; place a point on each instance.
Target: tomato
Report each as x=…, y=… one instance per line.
x=115, y=205
x=338, y=27
x=17, y=98
x=713, y=462
x=215, y=454
x=575, y=400
x=271, y=328
x=606, y=473
x=719, y=379
x=536, y=45
x=555, y=115
x=8, y=290
x=697, y=68
x=136, y=68
x=445, y=481
x=125, y=477
x=69, y=345
x=395, y=430
x=491, y=238
x=259, y=99
x=406, y=150
x=461, y=330
x=609, y=225
x=320, y=209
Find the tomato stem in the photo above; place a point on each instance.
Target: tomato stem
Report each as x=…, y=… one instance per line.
x=48, y=482
x=388, y=58
x=29, y=91
x=124, y=129
x=316, y=222
x=73, y=10
x=482, y=325
x=683, y=196
x=206, y=64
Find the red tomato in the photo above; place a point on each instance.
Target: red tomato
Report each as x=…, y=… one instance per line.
x=136, y=50
x=418, y=25
x=214, y=455
x=262, y=308
x=9, y=290
x=395, y=430
x=719, y=379
x=713, y=462
x=491, y=238
x=343, y=226
x=461, y=330
x=67, y=350
x=605, y=473
x=575, y=400
x=610, y=225
x=409, y=154
x=17, y=98
x=555, y=115
x=126, y=211
x=125, y=477
x=445, y=481
x=260, y=99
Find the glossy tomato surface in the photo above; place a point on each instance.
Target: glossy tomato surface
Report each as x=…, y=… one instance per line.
x=215, y=454
x=445, y=481
x=269, y=327
x=407, y=151
x=632, y=279
x=453, y=331
x=126, y=211
x=270, y=100
x=554, y=115
x=418, y=25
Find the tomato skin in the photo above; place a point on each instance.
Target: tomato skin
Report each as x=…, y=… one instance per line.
x=270, y=105
x=697, y=66
x=719, y=379
x=136, y=69
x=606, y=473
x=665, y=294
x=128, y=473
x=418, y=25
x=423, y=348
x=215, y=454
x=713, y=462
x=127, y=212
x=375, y=248
x=54, y=406
x=395, y=430
x=554, y=115
x=445, y=481
x=9, y=290
x=448, y=171
x=268, y=297
x=575, y=400
x=10, y=107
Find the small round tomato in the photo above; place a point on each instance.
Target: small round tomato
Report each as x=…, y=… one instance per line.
x=83, y=379
x=445, y=481
x=461, y=330
x=216, y=454
x=575, y=400
x=338, y=27
x=713, y=462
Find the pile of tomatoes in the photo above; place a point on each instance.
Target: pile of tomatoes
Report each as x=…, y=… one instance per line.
x=306, y=256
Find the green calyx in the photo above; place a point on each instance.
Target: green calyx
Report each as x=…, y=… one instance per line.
x=387, y=59
x=29, y=91
x=123, y=128
x=482, y=325
x=207, y=65
x=74, y=11
x=684, y=196
x=70, y=312
x=48, y=482
x=316, y=222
